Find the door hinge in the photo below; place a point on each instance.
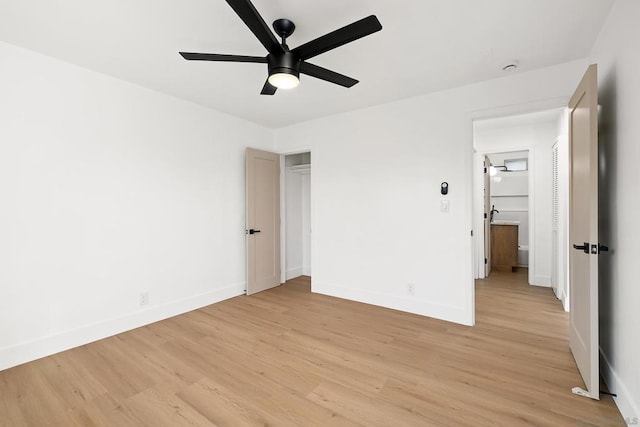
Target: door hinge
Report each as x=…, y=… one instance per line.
x=485, y=170
x=471, y=233
x=486, y=261
x=485, y=215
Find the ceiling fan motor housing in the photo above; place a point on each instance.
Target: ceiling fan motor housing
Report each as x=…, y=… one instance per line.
x=286, y=63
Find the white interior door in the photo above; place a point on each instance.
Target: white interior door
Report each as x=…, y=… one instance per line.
x=263, y=220
x=487, y=216
x=583, y=231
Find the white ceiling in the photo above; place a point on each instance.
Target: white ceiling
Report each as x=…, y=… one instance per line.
x=520, y=120
x=425, y=46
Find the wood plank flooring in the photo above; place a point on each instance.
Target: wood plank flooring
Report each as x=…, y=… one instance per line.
x=286, y=357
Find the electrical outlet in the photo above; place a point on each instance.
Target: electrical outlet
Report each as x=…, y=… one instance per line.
x=411, y=289
x=144, y=298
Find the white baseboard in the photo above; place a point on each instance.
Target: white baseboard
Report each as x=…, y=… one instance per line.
x=294, y=272
x=409, y=304
x=629, y=408
x=542, y=281
x=45, y=346
x=306, y=270
x=564, y=300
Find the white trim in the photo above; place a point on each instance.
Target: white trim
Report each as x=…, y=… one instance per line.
x=406, y=304
x=283, y=220
x=300, y=169
x=45, y=346
x=563, y=226
x=629, y=409
x=477, y=211
x=563, y=300
x=517, y=109
x=508, y=110
x=470, y=305
x=532, y=217
x=542, y=281
x=295, y=272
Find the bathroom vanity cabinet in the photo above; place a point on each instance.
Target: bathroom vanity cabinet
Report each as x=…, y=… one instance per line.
x=504, y=246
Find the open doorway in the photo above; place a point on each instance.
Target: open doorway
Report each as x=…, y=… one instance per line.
x=509, y=211
x=296, y=228
x=530, y=138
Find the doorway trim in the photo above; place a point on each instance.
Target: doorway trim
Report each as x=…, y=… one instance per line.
x=489, y=113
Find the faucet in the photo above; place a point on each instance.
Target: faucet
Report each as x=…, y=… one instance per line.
x=493, y=211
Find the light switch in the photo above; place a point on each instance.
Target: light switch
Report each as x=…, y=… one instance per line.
x=444, y=206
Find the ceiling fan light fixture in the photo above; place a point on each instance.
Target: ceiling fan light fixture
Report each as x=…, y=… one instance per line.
x=284, y=64
x=284, y=80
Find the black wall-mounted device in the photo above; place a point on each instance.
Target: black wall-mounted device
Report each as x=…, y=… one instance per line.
x=444, y=188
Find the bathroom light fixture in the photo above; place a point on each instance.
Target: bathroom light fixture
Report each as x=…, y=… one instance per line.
x=494, y=169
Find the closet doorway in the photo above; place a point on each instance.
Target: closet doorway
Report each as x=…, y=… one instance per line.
x=297, y=215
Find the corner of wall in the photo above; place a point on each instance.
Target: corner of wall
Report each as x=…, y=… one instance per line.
x=444, y=312
x=28, y=351
x=629, y=408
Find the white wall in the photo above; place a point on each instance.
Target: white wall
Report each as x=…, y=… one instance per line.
x=108, y=190
x=293, y=223
x=306, y=224
x=377, y=224
x=298, y=215
x=539, y=139
x=616, y=53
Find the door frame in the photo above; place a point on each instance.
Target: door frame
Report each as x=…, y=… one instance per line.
x=486, y=194
x=470, y=117
x=283, y=207
x=479, y=200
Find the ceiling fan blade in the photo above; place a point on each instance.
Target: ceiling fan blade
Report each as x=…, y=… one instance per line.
x=250, y=16
x=339, y=37
x=327, y=75
x=268, y=89
x=192, y=56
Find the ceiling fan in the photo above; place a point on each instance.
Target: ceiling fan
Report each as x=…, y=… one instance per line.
x=284, y=64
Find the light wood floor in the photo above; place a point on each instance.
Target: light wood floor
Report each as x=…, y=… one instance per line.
x=288, y=357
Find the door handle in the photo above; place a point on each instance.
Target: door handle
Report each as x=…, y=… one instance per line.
x=252, y=231
x=584, y=248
